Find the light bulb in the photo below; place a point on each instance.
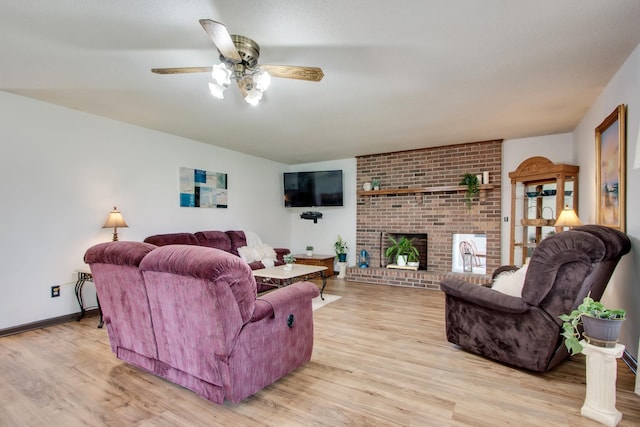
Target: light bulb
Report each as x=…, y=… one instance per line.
x=217, y=90
x=221, y=74
x=262, y=80
x=253, y=97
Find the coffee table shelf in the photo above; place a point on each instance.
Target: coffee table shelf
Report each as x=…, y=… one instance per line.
x=281, y=277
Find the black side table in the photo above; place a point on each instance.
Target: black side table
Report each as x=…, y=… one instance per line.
x=84, y=275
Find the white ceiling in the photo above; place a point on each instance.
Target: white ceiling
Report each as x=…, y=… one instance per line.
x=398, y=75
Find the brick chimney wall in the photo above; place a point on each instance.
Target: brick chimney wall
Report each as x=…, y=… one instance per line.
x=439, y=214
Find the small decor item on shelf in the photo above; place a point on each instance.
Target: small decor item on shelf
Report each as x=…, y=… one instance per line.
x=288, y=260
x=548, y=192
x=540, y=220
x=341, y=249
x=376, y=184
x=467, y=262
x=309, y=250
x=363, y=259
x=601, y=325
x=366, y=186
x=473, y=188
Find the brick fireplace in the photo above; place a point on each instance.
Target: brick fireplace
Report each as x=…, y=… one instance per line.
x=420, y=196
x=419, y=241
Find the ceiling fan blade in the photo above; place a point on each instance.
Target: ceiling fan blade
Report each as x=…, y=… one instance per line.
x=181, y=70
x=243, y=87
x=222, y=39
x=313, y=74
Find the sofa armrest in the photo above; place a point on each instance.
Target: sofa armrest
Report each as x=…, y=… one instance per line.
x=280, y=302
x=262, y=310
x=483, y=296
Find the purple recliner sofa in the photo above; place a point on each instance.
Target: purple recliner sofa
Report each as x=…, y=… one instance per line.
x=228, y=241
x=190, y=314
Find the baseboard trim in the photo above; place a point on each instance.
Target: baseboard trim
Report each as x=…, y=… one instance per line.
x=46, y=323
x=631, y=361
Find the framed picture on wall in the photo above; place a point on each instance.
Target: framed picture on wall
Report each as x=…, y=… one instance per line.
x=611, y=142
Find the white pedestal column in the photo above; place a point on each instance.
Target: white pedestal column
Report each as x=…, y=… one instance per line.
x=342, y=270
x=602, y=372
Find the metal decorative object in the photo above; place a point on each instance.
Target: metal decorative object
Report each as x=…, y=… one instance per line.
x=363, y=259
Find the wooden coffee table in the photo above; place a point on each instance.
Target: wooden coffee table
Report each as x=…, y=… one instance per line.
x=281, y=277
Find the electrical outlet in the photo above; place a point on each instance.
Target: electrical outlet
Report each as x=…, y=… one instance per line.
x=55, y=291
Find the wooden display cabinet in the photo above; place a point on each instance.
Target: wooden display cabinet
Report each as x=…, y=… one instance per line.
x=540, y=189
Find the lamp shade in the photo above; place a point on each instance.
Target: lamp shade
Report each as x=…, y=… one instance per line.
x=115, y=220
x=568, y=218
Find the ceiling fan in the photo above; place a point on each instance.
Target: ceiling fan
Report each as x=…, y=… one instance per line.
x=239, y=61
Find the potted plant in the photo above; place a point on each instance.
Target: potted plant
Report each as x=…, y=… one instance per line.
x=288, y=260
x=341, y=249
x=309, y=250
x=601, y=325
x=401, y=249
x=413, y=259
x=470, y=181
x=376, y=184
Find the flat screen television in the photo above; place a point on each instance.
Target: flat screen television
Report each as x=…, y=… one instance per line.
x=313, y=189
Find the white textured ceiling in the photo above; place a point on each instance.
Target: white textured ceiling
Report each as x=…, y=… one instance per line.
x=398, y=75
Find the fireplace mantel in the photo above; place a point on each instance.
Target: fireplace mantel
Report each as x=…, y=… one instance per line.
x=441, y=189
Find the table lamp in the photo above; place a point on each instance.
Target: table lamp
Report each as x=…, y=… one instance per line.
x=115, y=220
x=568, y=218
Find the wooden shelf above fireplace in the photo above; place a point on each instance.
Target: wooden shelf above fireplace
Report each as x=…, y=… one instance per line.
x=441, y=189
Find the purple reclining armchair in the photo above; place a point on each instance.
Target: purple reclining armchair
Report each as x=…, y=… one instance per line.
x=211, y=333
x=525, y=332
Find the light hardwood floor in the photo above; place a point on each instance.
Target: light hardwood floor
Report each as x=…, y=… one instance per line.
x=380, y=359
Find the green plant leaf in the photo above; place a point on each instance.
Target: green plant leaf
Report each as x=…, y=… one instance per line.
x=570, y=328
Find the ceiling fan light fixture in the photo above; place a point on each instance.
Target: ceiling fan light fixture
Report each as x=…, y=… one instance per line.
x=221, y=74
x=254, y=96
x=217, y=90
x=261, y=80
x=239, y=61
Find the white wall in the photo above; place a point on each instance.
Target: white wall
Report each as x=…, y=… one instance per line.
x=62, y=171
x=557, y=148
x=623, y=290
x=335, y=220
